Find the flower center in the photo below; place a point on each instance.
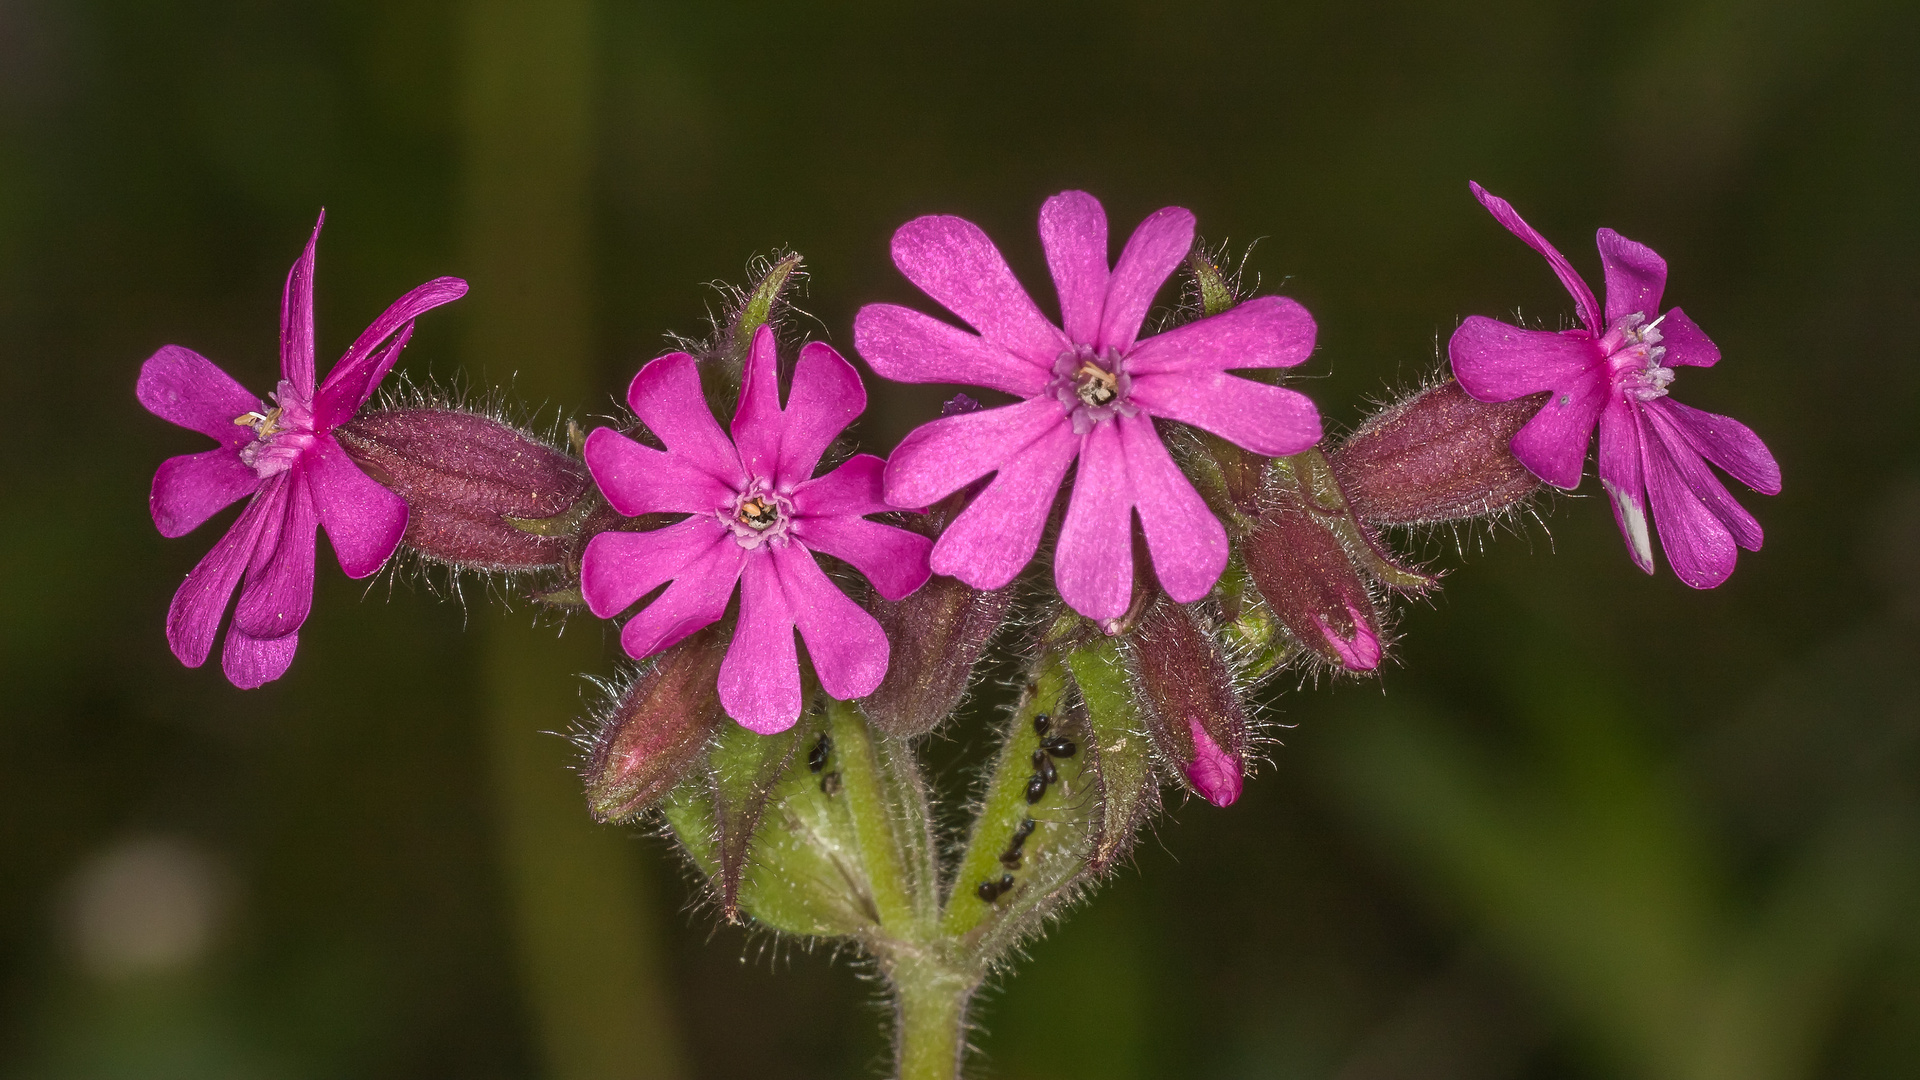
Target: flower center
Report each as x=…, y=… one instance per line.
x=1634, y=353
x=1091, y=386
x=758, y=516
x=280, y=432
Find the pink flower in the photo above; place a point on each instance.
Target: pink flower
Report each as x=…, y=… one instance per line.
x=1615, y=374
x=282, y=453
x=1092, y=392
x=756, y=516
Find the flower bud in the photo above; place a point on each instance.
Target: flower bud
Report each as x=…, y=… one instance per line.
x=937, y=635
x=480, y=494
x=1437, y=456
x=745, y=767
x=1191, y=707
x=1302, y=570
x=657, y=731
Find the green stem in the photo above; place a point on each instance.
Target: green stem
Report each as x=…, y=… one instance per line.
x=931, y=1042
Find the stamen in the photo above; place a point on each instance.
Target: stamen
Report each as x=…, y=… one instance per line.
x=758, y=513
x=1097, y=386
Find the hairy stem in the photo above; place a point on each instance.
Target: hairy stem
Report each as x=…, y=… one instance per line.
x=931, y=1042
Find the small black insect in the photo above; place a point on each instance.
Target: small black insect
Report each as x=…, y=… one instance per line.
x=1059, y=747
x=989, y=890
x=1006, y=883
x=1036, y=788
x=1025, y=830
x=830, y=783
x=1043, y=768
x=1042, y=723
x=1010, y=858
x=817, y=757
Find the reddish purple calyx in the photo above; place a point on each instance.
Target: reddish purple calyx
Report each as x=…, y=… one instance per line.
x=1358, y=648
x=1217, y=775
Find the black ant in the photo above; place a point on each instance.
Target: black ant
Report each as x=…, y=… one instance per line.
x=1042, y=723
x=991, y=890
x=817, y=757
x=1010, y=858
x=1036, y=788
x=1043, y=767
x=1060, y=748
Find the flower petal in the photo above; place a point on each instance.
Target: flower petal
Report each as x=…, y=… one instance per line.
x=1153, y=253
x=194, y=616
x=894, y=559
x=189, y=489
x=1636, y=276
x=1264, y=332
x=1700, y=480
x=697, y=598
x=845, y=643
x=757, y=422
x=1553, y=445
x=1073, y=231
x=641, y=480
x=1188, y=544
x=852, y=490
x=182, y=387
x=1497, y=361
x=666, y=396
x=906, y=346
x=825, y=398
x=1093, y=561
x=1726, y=442
x=619, y=568
x=1270, y=420
x=760, y=677
x=250, y=662
x=954, y=262
x=1685, y=342
x=995, y=537
x=939, y=458
x=296, y=319
x=1697, y=543
x=1504, y=213
x=353, y=379
x=279, y=590
x=364, y=521
x=1624, y=480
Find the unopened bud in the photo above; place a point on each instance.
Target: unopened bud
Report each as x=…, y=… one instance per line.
x=1193, y=710
x=1437, y=456
x=937, y=636
x=1307, y=579
x=480, y=494
x=657, y=732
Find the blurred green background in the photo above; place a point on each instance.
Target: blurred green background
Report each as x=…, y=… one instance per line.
x=1592, y=825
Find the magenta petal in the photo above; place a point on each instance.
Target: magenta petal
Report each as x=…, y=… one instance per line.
x=757, y=423
x=698, y=597
x=894, y=559
x=194, y=617
x=1504, y=213
x=364, y=521
x=852, y=490
x=1188, y=544
x=1624, y=481
x=1270, y=420
x=618, y=568
x=1697, y=543
x=1685, y=342
x=996, y=536
x=760, y=677
x=666, y=396
x=825, y=398
x=1726, y=442
x=1553, y=445
x=1152, y=254
x=1093, y=561
x=250, y=662
x=1073, y=231
x=1215, y=774
x=1700, y=480
x=182, y=387
x=352, y=380
x=279, y=590
x=907, y=346
x=641, y=480
x=954, y=262
x=189, y=489
x=296, y=319
x=939, y=458
x=1496, y=361
x=1636, y=276
x=846, y=645
x=1265, y=332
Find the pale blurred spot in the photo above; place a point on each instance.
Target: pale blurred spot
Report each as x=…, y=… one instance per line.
x=146, y=904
